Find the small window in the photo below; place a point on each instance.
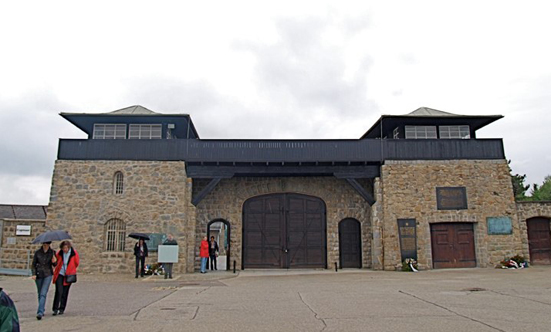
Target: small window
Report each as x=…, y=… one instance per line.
x=118, y=184
x=396, y=133
x=145, y=131
x=451, y=132
x=115, y=235
x=420, y=132
x=109, y=131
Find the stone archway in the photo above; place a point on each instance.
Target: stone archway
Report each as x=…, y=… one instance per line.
x=221, y=230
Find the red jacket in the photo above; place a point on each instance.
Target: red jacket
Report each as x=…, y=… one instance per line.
x=74, y=260
x=204, y=249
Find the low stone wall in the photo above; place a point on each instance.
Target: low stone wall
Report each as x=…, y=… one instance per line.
x=409, y=192
x=15, y=255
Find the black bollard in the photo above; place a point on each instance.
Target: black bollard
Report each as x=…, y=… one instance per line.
x=336, y=267
x=233, y=266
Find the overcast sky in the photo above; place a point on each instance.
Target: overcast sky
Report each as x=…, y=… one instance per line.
x=292, y=69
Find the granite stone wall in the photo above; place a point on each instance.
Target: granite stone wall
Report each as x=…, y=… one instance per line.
x=528, y=210
x=156, y=199
x=16, y=255
x=342, y=201
x=409, y=191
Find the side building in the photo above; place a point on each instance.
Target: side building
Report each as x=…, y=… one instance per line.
x=417, y=186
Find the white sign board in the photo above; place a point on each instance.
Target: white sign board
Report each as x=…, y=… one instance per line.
x=23, y=230
x=168, y=254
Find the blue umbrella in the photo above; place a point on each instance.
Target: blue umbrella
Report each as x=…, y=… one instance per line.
x=52, y=236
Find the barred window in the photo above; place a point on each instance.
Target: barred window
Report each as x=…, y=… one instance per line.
x=109, y=131
x=115, y=235
x=144, y=131
x=118, y=184
x=420, y=132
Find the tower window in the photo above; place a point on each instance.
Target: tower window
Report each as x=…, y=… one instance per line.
x=118, y=184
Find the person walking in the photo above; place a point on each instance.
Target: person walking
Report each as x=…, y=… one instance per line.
x=44, y=260
x=213, y=252
x=65, y=274
x=140, y=251
x=204, y=254
x=168, y=266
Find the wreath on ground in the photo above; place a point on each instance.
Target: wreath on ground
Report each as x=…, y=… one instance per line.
x=410, y=265
x=515, y=262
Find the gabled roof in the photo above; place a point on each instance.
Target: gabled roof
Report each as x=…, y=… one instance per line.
x=30, y=212
x=427, y=116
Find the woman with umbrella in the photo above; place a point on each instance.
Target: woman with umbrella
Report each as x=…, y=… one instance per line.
x=140, y=251
x=44, y=260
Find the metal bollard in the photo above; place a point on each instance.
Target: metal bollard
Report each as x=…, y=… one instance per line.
x=336, y=267
x=233, y=266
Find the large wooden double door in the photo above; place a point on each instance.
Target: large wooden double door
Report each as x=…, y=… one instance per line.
x=284, y=231
x=452, y=245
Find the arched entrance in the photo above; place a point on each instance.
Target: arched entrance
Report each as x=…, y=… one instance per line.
x=539, y=240
x=284, y=231
x=350, y=243
x=220, y=229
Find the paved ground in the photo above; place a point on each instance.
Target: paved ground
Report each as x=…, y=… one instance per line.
x=441, y=300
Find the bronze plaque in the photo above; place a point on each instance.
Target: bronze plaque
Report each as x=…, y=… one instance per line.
x=408, y=238
x=451, y=198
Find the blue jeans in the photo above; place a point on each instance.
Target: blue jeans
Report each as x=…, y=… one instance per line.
x=204, y=264
x=42, y=286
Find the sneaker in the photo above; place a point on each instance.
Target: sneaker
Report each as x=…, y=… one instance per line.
x=61, y=312
x=39, y=317
x=55, y=313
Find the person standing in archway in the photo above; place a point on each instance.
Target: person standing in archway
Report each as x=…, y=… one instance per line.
x=213, y=252
x=204, y=254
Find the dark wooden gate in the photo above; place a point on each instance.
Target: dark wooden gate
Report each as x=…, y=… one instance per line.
x=452, y=245
x=284, y=231
x=350, y=244
x=539, y=240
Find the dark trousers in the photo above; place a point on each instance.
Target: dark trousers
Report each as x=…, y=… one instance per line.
x=61, y=294
x=213, y=261
x=138, y=270
x=168, y=270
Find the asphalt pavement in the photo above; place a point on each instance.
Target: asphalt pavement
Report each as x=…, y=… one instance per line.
x=303, y=300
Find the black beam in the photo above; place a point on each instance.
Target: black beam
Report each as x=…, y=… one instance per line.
x=212, y=184
x=207, y=172
x=361, y=190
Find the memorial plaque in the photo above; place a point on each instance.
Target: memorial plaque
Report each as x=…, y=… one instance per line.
x=499, y=225
x=408, y=238
x=451, y=198
x=155, y=240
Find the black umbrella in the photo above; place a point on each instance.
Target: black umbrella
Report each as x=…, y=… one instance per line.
x=52, y=236
x=139, y=236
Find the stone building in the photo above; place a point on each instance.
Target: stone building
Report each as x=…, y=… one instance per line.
x=418, y=186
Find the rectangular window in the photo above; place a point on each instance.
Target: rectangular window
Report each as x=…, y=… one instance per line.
x=420, y=132
x=145, y=131
x=450, y=132
x=109, y=131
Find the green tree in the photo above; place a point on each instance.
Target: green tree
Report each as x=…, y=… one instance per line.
x=543, y=192
x=519, y=188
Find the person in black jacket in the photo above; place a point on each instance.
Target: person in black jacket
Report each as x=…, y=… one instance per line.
x=140, y=251
x=213, y=252
x=42, y=268
x=168, y=266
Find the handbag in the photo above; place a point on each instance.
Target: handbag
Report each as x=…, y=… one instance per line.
x=71, y=278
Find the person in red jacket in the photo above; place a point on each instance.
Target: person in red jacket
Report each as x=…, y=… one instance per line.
x=67, y=263
x=204, y=253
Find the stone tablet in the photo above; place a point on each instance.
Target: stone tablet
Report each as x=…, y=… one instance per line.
x=451, y=198
x=408, y=238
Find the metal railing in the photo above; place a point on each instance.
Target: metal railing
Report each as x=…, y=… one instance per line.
x=20, y=265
